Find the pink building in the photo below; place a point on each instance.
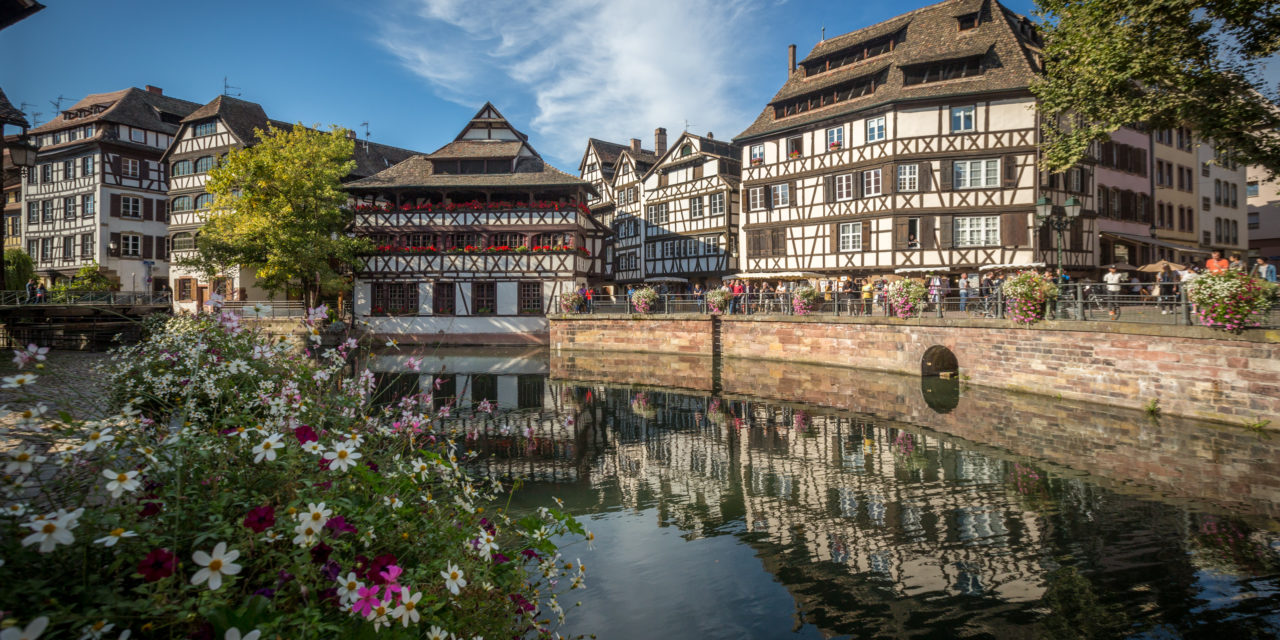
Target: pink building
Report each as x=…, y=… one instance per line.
x=1125, y=213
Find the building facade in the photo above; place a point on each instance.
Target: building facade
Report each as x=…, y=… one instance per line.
x=597, y=167
x=12, y=177
x=475, y=242
x=1176, y=183
x=99, y=191
x=629, y=222
x=1224, y=206
x=911, y=144
x=1126, y=216
x=1263, y=195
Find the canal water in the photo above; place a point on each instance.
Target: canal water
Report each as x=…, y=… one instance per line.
x=773, y=500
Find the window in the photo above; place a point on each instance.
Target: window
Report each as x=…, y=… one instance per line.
x=183, y=242
x=33, y=212
x=86, y=166
x=875, y=129
x=717, y=204
x=767, y=242
x=33, y=249
x=686, y=150
x=130, y=168
x=913, y=233
x=130, y=207
x=68, y=247
x=942, y=70
x=530, y=296
x=755, y=198
x=46, y=211
x=68, y=208
x=206, y=128
x=851, y=236
x=86, y=246
x=976, y=231
x=977, y=174
x=180, y=203
x=781, y=195
x=967, y=21
x=182, y=168
x=443, y=298
x=1217, y=191
x=46, y=249
x=131, y=246
x=138, y=135
x=204, y=201
x=1235, y=232
x=835, y=138
x=962, y=119
x=1251, y=189
x=68, y=169
x=394, y=298
x=184, y=289
x=844, y=187
x=695, y=207
x=871, y=182
x=795, y=147
x=908, y=177
x=204, y=164
x=1075, y=180
x=757, y=154
x=1235, y=192
x=484, y=298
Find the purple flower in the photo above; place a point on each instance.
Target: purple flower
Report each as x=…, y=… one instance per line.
x=305, y=434
x=261, y=518
x=339, y=526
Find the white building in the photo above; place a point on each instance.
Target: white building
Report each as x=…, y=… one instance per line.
x=1224, y=206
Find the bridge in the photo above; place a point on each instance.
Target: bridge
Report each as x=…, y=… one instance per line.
x=85, y=320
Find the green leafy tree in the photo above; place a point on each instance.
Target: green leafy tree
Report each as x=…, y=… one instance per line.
x=18, y=268
x=279, y=208
x=1166, y=63
x=90, y=278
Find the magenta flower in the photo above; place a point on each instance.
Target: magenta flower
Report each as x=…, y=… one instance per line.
x=367, y=600
x=305, y=434
x=158, y=564
x=261, y=518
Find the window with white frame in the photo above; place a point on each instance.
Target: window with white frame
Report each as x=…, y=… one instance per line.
x=68, y=169
x=68, y=208
x=851, y=236
x=795, y=147
x=755, y=198
x=976, y=231
x=872, y=184
x=835, y=138
x=875, y=129
x=962, y=119
x=206, y=128
x=86, y=166
x=204, y=201
x=695, y=207
x=757, y=153
x=138, y=135
x=977, y=174
x=130, y=207
x=130, y=168
x=1075, y=180
x=660, y=214
x=33, y=212
x=844, y=186
x=33, y=249
x=88, y=205
x=717, y=204
x=781, y=195
x=46, y=248
x=68, y=247
x=131, y=246
x=86, y=245
x=908, y=177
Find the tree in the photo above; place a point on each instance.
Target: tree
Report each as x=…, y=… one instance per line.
x=1165, y=63
x=18, y=269
x=90, y=278
x=279, y=208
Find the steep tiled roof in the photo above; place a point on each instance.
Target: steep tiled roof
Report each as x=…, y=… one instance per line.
x=241, y=117
x=10, y=114
x=132, y=106
x=478, y=149
x=372, y=157
x=930, y=34
x=608, y=152
x=417, y=173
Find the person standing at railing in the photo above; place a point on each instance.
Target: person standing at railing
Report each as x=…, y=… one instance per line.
x=31, y=291
x=42, y=294
x=1216, y=263
x=1166, y=282
x=1265, y=270
x=735, y=302
x=964, y=292
x=1113, y=278
x=591, y=294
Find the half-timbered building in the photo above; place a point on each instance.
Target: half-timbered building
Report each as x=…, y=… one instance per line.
x=205, y=136
x=99, y=189
x=596, y=167
x=628, y=217
x=910, y=144
x=475, y=242
x=691, y=211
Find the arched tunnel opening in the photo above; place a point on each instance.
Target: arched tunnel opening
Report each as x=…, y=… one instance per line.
x=938, y=360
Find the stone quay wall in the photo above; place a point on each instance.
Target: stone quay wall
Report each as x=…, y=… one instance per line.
x=1191, y=371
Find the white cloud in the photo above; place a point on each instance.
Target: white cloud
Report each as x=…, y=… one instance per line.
x=590, y=68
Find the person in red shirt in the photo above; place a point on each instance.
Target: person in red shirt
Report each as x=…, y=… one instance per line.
x=1217, y=264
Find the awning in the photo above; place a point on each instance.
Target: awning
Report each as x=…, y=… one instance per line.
x=1168, y=244
x=777, y=275
x=1016, y=265
x=666, y=279
x=922, y=270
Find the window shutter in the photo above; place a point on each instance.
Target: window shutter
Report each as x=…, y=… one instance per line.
x=113, y=249
x=768, y=196
x=115, y=206
x=1010, y=171
x=1013, y=229
x=793, y=195
x=924, y=171
x=144, y=170
x=945, y=175
x=867, y=235
x=834, y=231
x=888, y=179
x=828, y=189
x=946, y=233
x=162, y=210
x=162, y=247
x=926, y=233
x=857, y=184
x=899, y=234
x=1077, y=235
x=147, y=206
x=1045, y=236
x=148, y=248
x=1108, y=154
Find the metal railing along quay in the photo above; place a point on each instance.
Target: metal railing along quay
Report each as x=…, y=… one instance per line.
x=11, y=298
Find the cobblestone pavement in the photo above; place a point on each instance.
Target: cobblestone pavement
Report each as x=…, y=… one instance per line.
x=68, y=382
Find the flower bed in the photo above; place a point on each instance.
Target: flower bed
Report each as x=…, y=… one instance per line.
x=242, y=486
x=1027, y=295
x=906, y=297
x=644, y=299
x=1230, y=300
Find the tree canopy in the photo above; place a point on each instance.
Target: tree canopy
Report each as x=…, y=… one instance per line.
x=278, y=207
x=18, y=268
x=1164, y=63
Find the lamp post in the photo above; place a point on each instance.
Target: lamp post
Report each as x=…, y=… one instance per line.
x=1059, y=218
x=22, y=153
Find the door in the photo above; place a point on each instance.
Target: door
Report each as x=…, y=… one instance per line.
x=202, y=294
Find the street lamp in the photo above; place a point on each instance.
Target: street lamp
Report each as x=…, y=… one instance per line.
x=1059, y=218
x=22, y=153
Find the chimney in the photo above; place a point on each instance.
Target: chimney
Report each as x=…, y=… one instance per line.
x=791, y=59
x=156, y=90
x=711, y=136
x=635, y=145
x=660, y=141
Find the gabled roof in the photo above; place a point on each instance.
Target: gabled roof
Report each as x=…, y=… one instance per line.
x=241, y=117
x=706, y=147
x=641, y=162
x=607, y=152
x=10, y=114
x=372, y=157
x=929, y=34
x=134, y=107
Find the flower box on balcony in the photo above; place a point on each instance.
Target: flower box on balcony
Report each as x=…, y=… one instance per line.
x=755, y=162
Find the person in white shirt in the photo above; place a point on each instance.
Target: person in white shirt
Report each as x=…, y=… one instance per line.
x=1113, y=278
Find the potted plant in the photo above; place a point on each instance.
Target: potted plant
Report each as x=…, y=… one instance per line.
x=644, y=299
x=805, y=300
x=572, y=302
x=1027, y=295
x=906, y=297
x=718, y=300
x=1231, y=300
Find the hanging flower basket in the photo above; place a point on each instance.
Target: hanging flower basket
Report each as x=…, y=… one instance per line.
x=1027, y=295
x=644, y=300
x=1230, y=300
x=572, y=302
x=805, y=300
x=718, y=301
x=906, y=297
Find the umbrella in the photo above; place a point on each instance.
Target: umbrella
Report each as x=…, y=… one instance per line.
x=1119, y=266
x=1156, y=267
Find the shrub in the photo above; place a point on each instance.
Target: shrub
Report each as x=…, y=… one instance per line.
x=1026, y=296
x=718, y=300
x=804, y=300
x=643, y=299
x=1230, y=300
x=906, y=297
x=240, y=483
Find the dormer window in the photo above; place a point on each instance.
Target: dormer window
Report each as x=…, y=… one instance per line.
x=686, y=150
x=942, y=70
x=967, y=21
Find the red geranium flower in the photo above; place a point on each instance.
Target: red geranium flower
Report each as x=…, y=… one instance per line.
x=159, y=564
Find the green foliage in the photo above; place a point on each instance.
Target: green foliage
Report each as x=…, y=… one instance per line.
x=18, y=268
x=87, y=278
x=279, y=208
x=1152, y=408
x=1166, y=63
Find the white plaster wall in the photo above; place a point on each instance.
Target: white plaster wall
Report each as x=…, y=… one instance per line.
x=508, y=298
x=362, y=298
x=463, y=302
x=918, y=122
x=434, y=325
x=1018, y=113
x=424, y=298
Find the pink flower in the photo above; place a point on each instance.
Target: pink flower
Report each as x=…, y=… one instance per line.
x=367, y=601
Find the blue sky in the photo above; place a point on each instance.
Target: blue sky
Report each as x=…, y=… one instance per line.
x=415, y=70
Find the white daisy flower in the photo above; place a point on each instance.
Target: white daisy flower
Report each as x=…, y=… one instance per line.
x=436, y=633
x=19, y=381
x=121, y=482
x=52, y=531
x=316, y=515
x=342, y=457
x=22, y=461
x=408, y=610
x=115, y=536
x=392, y=501
x=234, y=634
x=313, y=446
x=94, y=631
x=244, y=432
x=15, y=509
x=97, y=439
x=30, y=632
x=453, y=578
x=216, y=564
x=271, y=536
x=349, y=588
x=488, y=545
x=267, y=448
x=307, y=533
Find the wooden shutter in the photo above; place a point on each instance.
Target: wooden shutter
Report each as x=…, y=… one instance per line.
x=162, y=247
x=867, y=235
x=162, y=210
x=1013, y=229
x=113, y=249
x=144, y=170
x=946, y=233
x=1077, y=234
x=1010, y=172
x=768, y=196
x=924, y=171
x=899, y=234
x=828, y=189
x=1045, y=236
x=114, y=211
x=888, y=179
x=834, y=231
x=926, y=233
x=793, y=195
x=1108, y=154
x=857, y=184
x=945, y=175
x=147, y=247
x=148, y=212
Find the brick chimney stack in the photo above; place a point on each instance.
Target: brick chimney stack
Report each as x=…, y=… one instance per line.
x=156, y=90
x=635, y=145
x=791, y=60
x=660, y=141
